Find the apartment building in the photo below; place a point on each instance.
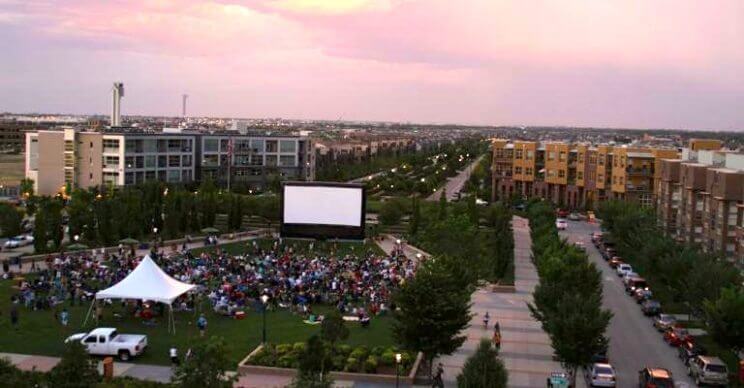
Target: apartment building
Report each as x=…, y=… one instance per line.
x=700, y=199
x=64, y=158
x=577, y=175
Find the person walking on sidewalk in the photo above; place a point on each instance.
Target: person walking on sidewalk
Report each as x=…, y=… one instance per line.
x=438, y=381
x=485, y=320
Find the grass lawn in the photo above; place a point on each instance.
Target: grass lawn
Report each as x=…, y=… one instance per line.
x=39, y=333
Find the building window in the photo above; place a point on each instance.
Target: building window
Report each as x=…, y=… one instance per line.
x=162, y=161
x=562, y=156
x=287, y=160
x=110, y=145
x=174, y=161
x=224, y=145
x=518, y=154
x=579, y=175
x=257, y=145
x=271, y=160
x=150, y=161
x=174, y=175
x=129, y=178
x=528, y=171
x=551, y=155
x=211, y=145
x=140, y=161
x=150, y=175
x=110, y=161
x=129, y=161
x=517, y=170
x=561, y=173
x=210, y=161
x=271, y=146
x=530, y=155
x=186, y=161
x=150, y=145
x=287, y=146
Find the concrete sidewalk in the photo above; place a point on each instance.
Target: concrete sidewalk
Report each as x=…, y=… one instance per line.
x=525, y=348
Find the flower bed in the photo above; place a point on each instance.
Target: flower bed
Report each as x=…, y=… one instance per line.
x=348, y=363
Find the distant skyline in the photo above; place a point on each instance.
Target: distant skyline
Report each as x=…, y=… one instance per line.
x=623, y=64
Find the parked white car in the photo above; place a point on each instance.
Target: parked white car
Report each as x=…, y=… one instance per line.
x=561, y=223
x=19, y=241
x=623, y=269
x=106, y=341
x=601, y=375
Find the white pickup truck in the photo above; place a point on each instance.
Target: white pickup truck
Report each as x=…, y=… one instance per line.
x=106, y=341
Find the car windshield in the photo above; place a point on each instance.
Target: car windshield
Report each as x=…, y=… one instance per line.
x=715, y=368
x=603, y=370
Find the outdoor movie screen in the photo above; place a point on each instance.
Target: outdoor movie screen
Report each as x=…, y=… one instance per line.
x=323, y=210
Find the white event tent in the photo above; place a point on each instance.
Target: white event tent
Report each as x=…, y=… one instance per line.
x=146, y=282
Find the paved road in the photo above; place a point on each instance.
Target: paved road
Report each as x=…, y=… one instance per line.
x=455, y=183
x=367, y=177
x=634, y=343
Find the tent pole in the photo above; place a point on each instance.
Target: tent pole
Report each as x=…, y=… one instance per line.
x=89, y=310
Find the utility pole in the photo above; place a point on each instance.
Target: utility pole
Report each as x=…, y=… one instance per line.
x=183, y=107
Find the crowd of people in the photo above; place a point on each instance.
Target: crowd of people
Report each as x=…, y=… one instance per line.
x=358, y=285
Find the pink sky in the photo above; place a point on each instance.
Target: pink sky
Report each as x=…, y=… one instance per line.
x=630, y=63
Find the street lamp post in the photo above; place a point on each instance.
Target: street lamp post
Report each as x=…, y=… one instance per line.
x=264, y=300
x=397, y=369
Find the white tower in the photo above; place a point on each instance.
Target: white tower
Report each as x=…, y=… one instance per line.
x=184, y=97
x=118, y=93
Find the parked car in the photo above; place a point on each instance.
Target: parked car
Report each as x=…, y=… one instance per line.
x=615, y=262
x=561, y=223
x=708, y=370
x=19, y=241
x=623, y=268
x=608, y=251
x=676, y=336
x=664, y=322
x=642, y=294
x=601, y=375
x=687, y=350
x=106, y=341
x=655, y=378
x=580, y=245
x=635, y=283
x=596, y=238
x=574, y=217
x=562, y=213
x=651, y=307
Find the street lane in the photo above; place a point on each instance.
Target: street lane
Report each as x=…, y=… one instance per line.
x=634, y=342
x=454, y=184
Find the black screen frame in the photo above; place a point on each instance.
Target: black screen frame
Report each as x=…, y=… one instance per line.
x=323, y=231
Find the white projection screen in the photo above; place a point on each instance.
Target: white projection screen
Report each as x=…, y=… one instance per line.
x=323, y=210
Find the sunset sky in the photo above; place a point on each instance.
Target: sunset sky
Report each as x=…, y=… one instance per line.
x=618, y=63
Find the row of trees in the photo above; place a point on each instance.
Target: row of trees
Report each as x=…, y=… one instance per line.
x=103, y=216
x=683, y=278
x=10, y=220
x=568, y=299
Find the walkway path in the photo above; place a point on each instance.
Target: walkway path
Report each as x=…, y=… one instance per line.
x=525, y=348
x=455, y=184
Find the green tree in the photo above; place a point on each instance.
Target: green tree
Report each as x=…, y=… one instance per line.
x=443, y=205
x=333, y=328
x=27, y=192
x=207, y=367
x=76, y=369
x=726, y=317
x=483, y=369
x=207, y=199
x=473, y=211
x=313, y=363
x=433, y=309
x=413, y=224
x=390, y=213
x=10, y=220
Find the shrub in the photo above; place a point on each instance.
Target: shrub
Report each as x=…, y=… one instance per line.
x=352, y=365
x=339, y=362
x=360, y=353
x=287, y=361
x=388, y=358
x=283, y=349
x=370, y=365
x=378, y=350
x=343, y=349
x=298, y=347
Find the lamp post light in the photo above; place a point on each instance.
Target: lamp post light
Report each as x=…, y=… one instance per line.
x=76, y=237
x=398, y=357
x=264, y=300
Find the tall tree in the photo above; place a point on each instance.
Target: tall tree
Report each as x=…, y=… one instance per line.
x=313, y=363
x=10, y=220
x=206, y=367
x=726, y=317
x=413, y=225
x=483, y=369
x=433, y=309
x=76, y=369
x=473, y=212
x=443, y=205
x=333, y=328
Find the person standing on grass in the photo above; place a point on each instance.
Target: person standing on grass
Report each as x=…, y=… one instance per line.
x=201, y=323
x=14, y=316
x=64, y=317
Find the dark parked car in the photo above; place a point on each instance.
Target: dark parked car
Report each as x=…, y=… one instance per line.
x=651, y=308
x=635, y=283
x=642, y=294
x=688, y=350
x=656, y=378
